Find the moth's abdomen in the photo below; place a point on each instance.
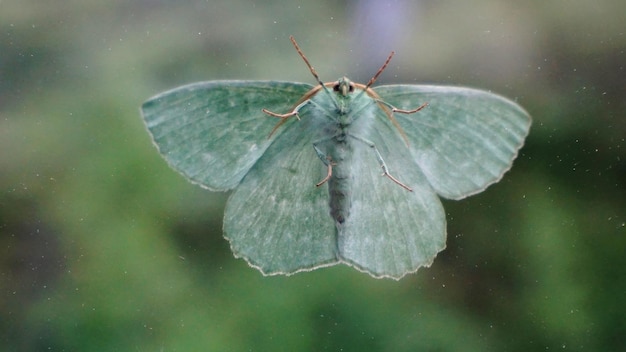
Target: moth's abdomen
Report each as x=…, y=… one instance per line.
x=340, y=183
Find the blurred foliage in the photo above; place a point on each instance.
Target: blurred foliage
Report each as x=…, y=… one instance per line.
x=103, y=247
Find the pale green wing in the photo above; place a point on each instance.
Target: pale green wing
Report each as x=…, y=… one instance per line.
x=390, y=231
x=277, y=219
x=464, y=140
x=213, y=132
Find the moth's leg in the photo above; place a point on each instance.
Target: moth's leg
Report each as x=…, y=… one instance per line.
x=390, y=109
x=401, y=111
x=326, y=159
x=381, y=162
x=293, y=112
x=283, y=117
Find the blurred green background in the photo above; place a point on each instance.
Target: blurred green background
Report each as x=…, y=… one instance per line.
x=104, y=248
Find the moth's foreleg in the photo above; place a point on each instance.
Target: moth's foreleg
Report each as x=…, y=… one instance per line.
x=390, y=110
x=293, y=112
x=401, y=111
x=284, y=117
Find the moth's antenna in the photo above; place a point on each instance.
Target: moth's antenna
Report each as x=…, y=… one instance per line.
x=306, y=61
x=373, y=79
x=380, y=70
x=317, y=77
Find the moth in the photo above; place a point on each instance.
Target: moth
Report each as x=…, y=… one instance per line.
x=336, y=172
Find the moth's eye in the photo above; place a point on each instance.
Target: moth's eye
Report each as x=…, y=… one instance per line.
x=351, y=89
x=336, y=87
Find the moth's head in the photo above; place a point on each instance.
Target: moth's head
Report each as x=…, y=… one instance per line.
x=343, y=86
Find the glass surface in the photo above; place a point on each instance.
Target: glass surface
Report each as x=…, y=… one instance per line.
x=104, y=247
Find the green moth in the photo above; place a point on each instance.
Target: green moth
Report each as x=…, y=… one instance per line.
x=338, y=172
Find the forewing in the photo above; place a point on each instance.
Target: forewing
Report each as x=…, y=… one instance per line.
x=277, y=219
x=390, y=231
x=213, y=132
x=464, y=140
